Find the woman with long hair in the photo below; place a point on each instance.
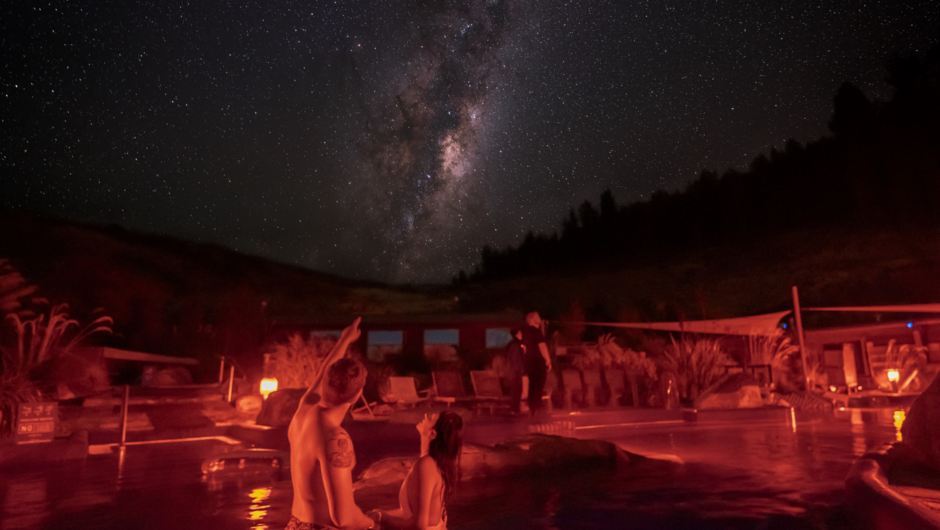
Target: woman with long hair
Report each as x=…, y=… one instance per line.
x=432, y=479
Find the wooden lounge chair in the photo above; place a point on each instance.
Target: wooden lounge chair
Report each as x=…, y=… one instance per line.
x=404, y=393
x=574, y=390
x=487, y=389
x=448, y=387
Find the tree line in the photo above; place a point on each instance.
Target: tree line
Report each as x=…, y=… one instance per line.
x=879, y=167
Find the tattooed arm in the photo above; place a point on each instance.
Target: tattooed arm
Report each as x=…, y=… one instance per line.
x=336, y=465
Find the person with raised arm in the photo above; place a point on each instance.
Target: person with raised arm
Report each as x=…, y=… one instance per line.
x=321, y=453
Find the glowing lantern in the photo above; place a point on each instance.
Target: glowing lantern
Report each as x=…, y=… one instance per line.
x=268, y=385
x=893, y=376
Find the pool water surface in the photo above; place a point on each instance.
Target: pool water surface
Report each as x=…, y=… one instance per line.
x=731, y=476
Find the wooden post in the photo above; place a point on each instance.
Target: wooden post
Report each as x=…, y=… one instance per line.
x=799, y=334
x=222, y=370
x=231, y=382
x=127, y=393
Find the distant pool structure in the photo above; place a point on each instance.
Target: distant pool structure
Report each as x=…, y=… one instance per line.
x=735, y=475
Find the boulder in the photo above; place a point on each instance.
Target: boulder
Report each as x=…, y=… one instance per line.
x=733, y=391
x=535, y=453
x=921, y=429
x=249, y=403
x=280, y=407
x=172, y=377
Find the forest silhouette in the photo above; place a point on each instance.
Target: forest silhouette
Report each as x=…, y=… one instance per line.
x=880, y=168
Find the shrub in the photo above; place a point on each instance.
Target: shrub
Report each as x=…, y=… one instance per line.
x=608, y=354
x=39, y=340
x=905, y=359
x=15, y=389
x=295, y=361
x=697, y=364
x=777, y=351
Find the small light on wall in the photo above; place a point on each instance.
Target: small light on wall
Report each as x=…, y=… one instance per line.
x=832, y=388
x=268, y=385
x=910, y=324
x=893, y=376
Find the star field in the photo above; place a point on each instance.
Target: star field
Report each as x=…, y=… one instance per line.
x=392, y=139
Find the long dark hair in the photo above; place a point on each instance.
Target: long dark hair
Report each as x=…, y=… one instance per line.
x=445, y=449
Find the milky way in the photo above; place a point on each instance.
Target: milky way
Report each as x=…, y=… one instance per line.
x=391, y=140
x=420, y=143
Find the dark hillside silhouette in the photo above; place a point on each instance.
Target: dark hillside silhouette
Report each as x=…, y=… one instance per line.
x=879, y=169
x=174, y=297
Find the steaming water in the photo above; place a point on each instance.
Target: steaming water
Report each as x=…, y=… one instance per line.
x=737, y=476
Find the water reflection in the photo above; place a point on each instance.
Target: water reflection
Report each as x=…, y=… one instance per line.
x=257, y=510
x=25, y=504
x=899, y=422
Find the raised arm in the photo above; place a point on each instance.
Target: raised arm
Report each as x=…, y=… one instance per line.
x=336, y=470
x=350, y=335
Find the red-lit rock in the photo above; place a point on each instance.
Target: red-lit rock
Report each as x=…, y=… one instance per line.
x=250, y=403
x=733, y=391
x=535, y=453
x=280, y=407
x=921, y=429
x=172, y=377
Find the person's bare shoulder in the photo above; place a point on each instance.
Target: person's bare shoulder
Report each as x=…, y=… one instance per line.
x=426, y=465
x=339, y=449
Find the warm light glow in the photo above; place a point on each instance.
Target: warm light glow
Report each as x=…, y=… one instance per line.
x=893, y=376
x=899, y=422
x=268, y=385
x=832, y=388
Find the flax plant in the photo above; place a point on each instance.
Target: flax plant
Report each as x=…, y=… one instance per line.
x=39, y=340
x=697, y=364
x=775, y=350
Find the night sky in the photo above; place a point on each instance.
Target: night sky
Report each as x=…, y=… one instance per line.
x=391, y=140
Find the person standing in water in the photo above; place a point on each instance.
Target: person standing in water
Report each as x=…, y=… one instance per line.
x=321, y=452
x=433, y=478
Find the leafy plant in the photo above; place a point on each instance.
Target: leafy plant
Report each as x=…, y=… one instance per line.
x=776, y=350
x=15, y=389
x=39, y=340
x=295, y=362
x=905, y=359
x=608, y=354
x=697, y=364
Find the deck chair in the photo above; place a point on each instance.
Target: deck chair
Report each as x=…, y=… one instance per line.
x=617, y=384
x=402, y=392
x=448, y=387
x=593, y=388
x=487, y=389
x=364, y=411
x=574, y=390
